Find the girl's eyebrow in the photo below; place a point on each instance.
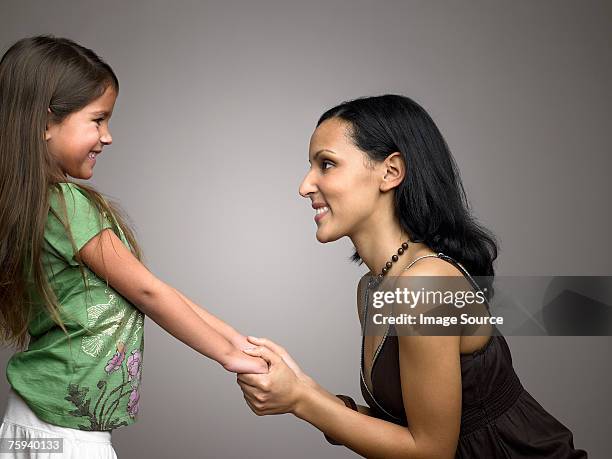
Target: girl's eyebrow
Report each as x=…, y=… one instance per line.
x=100, y=113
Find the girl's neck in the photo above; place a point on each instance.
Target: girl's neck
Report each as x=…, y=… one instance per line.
x=379, y=241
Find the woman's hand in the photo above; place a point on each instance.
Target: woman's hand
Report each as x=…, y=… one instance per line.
x=279, y=391
x=282, y=353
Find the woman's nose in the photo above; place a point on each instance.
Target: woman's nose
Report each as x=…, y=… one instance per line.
x=307, y=186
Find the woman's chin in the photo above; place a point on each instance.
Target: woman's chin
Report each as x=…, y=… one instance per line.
x=325, y=236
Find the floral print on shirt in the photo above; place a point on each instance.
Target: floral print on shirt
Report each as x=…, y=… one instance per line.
x=102, y=416
x=113, y=327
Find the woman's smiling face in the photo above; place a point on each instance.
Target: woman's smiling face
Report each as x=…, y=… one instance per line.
x=342, y=183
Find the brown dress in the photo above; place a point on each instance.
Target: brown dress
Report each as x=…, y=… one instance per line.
x=499, y=418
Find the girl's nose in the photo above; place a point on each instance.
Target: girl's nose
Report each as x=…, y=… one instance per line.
x=106, y=138
x=307, y=186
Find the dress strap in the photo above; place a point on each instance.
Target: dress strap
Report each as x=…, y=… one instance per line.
x=459, y=266
x=423, y=256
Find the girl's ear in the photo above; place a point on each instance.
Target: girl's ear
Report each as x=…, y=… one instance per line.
x=48, y=126
x=394, y=171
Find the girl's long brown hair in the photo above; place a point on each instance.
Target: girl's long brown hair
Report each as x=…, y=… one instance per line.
x=43, y=79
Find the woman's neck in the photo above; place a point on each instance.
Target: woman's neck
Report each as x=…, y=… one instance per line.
x=379, y=241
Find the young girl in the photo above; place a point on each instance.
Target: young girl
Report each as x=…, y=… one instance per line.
x=381, y=174
x=71, y=279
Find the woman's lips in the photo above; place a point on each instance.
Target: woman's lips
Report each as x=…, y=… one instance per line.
x=321, y=213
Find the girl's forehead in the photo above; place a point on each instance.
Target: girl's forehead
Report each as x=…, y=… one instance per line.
x=104, y=103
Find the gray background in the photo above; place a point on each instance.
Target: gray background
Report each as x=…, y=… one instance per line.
x=211, y=131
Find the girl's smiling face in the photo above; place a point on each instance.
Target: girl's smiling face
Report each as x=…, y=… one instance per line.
x=342, y=183
x=78, y=139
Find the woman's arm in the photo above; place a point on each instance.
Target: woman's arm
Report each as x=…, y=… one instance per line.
x=432, y=400
x=431, y=390
x=281, y=352
x=106, y=256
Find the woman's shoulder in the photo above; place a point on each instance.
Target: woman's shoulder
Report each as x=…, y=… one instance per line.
x=431, y=266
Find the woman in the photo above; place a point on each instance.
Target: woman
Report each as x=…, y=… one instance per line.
x=382, y=174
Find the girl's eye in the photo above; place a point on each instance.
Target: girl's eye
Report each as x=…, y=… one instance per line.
x=325, y=164
x=98, y=121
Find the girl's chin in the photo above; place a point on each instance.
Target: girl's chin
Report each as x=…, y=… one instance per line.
x=82, y=176
x=86, y=174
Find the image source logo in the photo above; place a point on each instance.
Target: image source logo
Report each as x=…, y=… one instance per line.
x=513, y=306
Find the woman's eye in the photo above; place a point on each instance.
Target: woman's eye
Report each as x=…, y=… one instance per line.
x=98, y=121
x=325, y=164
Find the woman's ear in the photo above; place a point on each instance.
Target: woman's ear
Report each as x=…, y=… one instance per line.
x=394, y=171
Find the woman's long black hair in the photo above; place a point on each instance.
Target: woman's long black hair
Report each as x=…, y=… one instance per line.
x=430, y=203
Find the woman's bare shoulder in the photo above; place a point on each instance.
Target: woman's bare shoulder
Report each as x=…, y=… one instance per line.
x=431, y=266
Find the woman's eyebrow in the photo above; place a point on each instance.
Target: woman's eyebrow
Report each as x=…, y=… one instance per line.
x=314, y=157
x=100, y=113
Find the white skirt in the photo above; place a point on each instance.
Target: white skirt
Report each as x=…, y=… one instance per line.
x=21, y=424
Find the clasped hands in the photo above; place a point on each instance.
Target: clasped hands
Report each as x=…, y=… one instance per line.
x=281, y=389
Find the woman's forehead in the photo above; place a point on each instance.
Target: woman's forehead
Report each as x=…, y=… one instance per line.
x=331, y=134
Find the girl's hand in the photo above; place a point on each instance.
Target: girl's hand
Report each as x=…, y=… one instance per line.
x=239, y=362
x=240, y=342
x=279, y=391
x=281, y=352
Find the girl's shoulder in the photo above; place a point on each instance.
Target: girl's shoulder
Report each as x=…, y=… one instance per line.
x=59, y=192
x=72, y=205
x=69, y=196
x=73, y=220
x=63, y=187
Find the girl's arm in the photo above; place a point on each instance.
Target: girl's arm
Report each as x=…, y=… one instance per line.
x=106, y=256
x=224, y=329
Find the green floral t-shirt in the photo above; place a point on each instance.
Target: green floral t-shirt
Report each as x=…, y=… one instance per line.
x=90, y=378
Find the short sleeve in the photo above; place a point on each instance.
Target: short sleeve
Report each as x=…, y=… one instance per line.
x=80, y=214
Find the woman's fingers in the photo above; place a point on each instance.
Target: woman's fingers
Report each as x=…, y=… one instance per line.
x=267, y=343
x=255, y=399
x=279, y=350
x=263, y=352
x=253, y=408
x=247, y=380
x=252, y=393
x=271, y=393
